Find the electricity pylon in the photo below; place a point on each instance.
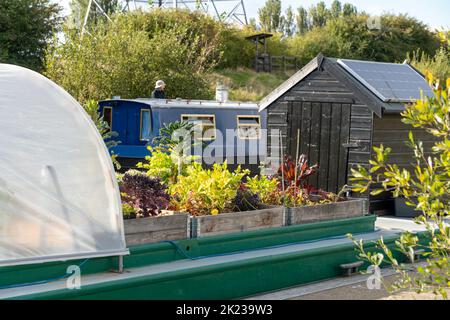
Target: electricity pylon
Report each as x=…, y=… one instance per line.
x=229, y=11
x=224, y=10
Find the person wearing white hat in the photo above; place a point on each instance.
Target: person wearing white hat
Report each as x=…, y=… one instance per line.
x=159, y=92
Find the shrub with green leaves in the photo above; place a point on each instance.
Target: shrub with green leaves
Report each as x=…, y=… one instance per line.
x=426, y=189
x=266, y=188
x=126, y=56
x=172, y=154
x=207, y=191
x=438, y=65
x=160, y=165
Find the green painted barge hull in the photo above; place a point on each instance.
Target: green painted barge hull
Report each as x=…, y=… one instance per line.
x=226, y=279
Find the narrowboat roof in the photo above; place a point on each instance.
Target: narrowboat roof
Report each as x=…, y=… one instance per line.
x=382, y=86
x=191, y=104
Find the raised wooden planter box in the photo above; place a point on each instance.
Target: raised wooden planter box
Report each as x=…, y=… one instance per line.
x=227, y=223
x=157, y=229
x=326, y=212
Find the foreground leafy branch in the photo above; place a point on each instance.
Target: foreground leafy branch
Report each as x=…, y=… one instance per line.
x=427, y=189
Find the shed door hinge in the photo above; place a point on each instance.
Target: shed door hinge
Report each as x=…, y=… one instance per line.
x=352, y=145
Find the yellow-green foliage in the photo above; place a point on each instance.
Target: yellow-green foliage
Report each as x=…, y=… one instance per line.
x=206, y=191
x=266, y=188
x=349, y=37
x=126, y=56
x=160, y=165
x=438, y=65
x=237, y=51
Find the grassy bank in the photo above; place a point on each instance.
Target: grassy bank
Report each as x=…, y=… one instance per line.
x=246, y=84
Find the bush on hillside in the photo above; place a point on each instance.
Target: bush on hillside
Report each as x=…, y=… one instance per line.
x=349, y=37
x=126, y=56
x=438, y=65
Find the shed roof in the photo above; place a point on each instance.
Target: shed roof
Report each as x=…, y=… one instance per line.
x=381, y=86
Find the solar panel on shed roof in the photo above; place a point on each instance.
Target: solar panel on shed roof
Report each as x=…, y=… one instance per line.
x=391, y=82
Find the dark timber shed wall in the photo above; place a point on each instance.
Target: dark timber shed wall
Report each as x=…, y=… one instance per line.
x=340, y=121
x=331, y=115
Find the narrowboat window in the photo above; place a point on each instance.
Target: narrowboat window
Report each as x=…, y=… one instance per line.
x=249, y=127
x=146, y=125
x=204, y=125
x=107, y=116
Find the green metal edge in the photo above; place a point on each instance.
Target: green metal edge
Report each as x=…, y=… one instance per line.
x=151, y=254
x=225, y=281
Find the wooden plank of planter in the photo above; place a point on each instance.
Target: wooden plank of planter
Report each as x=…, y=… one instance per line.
x=157, y=229
x=327, y=212
x=238, y=222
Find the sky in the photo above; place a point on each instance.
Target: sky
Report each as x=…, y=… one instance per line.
x=435, y=13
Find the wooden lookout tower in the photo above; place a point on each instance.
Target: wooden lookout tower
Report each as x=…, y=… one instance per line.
x=262, y=61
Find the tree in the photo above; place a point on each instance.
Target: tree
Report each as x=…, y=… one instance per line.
x=426, y=189
x=253, y=24
x=336, y=9
x=349, y=10
x=349, y=37
x=26, y=27
x=400, y=34
x=288, y=22
x=79, y=9
x=319, y=14
x=126, y=57
x=270, y=15
x=302, y=21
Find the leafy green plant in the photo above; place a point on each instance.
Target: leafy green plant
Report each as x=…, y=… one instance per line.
x=295, y=197
x=206, y=191
x=140, y=47
x=426, y=189
x=128, y=211
x=438, y=65
x=160, y=165
x=175, y=135
x=266, y=188
x=297, y=194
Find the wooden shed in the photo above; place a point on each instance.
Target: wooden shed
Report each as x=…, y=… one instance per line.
x=342, y=108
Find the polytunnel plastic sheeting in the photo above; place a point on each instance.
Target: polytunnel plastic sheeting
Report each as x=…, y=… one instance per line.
x=59, y=199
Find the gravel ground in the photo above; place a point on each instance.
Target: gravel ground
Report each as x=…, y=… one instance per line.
x=360, y=291
x=347, y=288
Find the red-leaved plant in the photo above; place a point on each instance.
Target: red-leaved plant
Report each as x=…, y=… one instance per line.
x=296, y=174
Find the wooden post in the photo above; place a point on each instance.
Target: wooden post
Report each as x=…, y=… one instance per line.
x=269, y=61
x=282, y=161
x=257, y=56
x=297, y=155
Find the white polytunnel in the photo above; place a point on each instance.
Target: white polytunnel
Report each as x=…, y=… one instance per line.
x=59, y=199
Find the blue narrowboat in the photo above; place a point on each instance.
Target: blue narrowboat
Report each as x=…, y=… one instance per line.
x=139, y=121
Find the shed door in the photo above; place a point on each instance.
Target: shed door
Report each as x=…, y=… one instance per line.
x=324, y=134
